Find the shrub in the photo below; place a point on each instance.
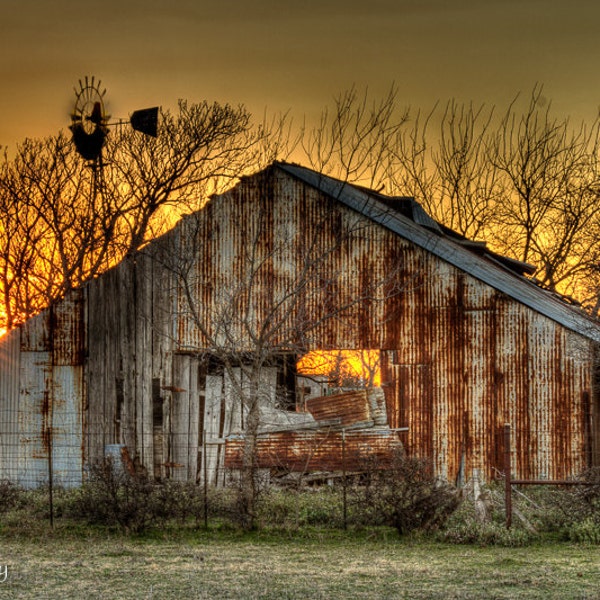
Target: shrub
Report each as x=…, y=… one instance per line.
x=587, y=498
x=178, y=500
x=573, y=512
x=464, y=527
x=406, y=495
x=112, y=496
x=486, y=534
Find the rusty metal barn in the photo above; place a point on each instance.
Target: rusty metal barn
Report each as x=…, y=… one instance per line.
x=134, y=360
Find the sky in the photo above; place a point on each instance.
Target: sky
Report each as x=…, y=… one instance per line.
x=291, y=55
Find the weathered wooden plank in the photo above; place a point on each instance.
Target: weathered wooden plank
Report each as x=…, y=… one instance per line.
x=144, y=451
x=97, y=331
x=193, y=419
x=180, y=417
x=233, y=409
x=212, y=427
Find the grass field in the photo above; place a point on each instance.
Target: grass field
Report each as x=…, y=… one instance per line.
x=277, y=566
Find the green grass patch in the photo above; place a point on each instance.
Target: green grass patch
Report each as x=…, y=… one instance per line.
x=368, y=563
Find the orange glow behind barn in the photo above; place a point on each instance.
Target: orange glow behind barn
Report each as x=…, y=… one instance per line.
x=350, y=368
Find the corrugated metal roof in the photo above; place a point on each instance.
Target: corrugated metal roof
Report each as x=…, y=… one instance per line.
x=491, y=272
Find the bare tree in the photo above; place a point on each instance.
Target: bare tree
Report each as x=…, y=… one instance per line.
x=450, y=175
x=355, y=140
x=526, y=183
x=548, y=175
x=263, y=287
x=66, y=222
x=20, y=235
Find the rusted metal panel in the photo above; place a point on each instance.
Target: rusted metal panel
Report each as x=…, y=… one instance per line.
x=35, y=333
x=473, y=359
x=488, y=270
x=65, y=425
x=333, y=266
x=42, y=426
x=10, y=369
x=310, y=451
x=66, y=330
x=33, y=419
x=347, y=407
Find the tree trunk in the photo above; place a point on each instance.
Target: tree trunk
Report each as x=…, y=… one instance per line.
x=248, y=483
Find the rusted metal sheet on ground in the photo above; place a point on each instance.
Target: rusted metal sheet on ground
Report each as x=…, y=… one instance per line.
x=322, y=451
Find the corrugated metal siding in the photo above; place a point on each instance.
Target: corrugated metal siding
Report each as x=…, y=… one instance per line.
x=42, y=392
x=462, y=371
x=461, y=358
x=339, y=266
x=10, y=367
x=34, y=403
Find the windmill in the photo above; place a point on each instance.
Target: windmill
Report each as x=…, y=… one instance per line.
x=89, y=121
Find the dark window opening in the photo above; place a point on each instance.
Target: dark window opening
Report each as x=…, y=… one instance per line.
x=120, y=400
x=157, y=404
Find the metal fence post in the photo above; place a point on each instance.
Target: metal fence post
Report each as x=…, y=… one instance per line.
x=344, y=480
x=507, y=476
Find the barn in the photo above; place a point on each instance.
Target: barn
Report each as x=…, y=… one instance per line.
x=153, y=358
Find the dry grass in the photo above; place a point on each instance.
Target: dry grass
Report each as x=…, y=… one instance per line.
x=327, y=565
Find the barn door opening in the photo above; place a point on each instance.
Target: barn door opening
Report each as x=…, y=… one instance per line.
x=222, y=411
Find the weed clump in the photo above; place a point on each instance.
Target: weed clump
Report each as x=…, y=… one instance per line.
x=407, y=495
x=569, y=512
x=9, y=496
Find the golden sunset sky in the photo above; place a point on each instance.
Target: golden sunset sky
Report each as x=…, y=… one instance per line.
x=293, y=56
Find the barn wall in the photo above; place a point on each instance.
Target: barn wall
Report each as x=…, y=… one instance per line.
x=469, y=361
x=41, y=395
x=129, y=365
x=460, y=358
x=118, y=361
